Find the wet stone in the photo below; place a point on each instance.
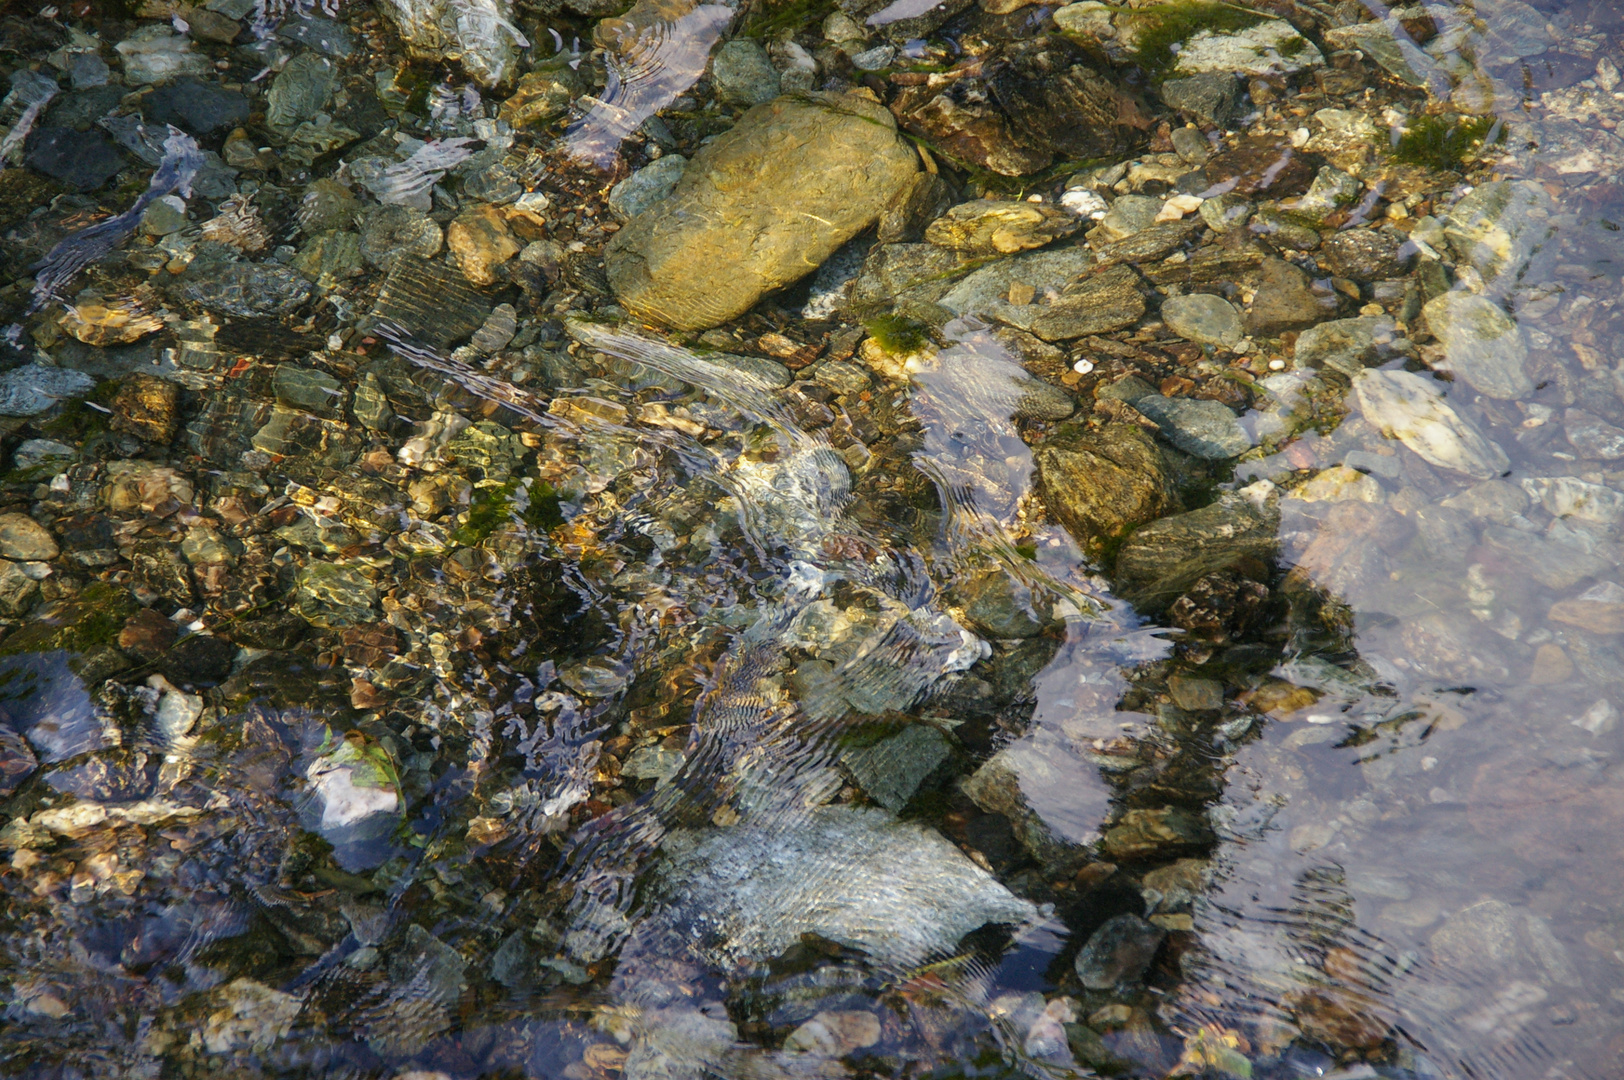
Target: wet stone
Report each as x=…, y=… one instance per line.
x=1098, y=304
x=543, y=95
x=196, y=107
x=1119, y=952
x=1129, y=214
x=1364, y=255
x=480, y=242
x=1166, y=557
x=989, y=226
x=164, y=216
x=83, y=160
x=299, y=90
x=1225, y=212
x=310, y=390
x=1347, y=346
x=1205, y=429
x=330, y=595
x=1259, y=165
x=431, y=301
x=34, y=388
x=1284, y=301
x=392, y=231
x=1211, y=98
x=147, y=407
x=1272, y=47
x=23, y=538
x=1482, y=343
x=1204, y=319
x=1412, y=408
x=742, y=73
x=246, y=289
x=987, y=292
x=890, y=770
x=1143, y=833
x=1496, y=227
x=647, y=186
x=153, y=54
x=1000, y=607
x=1588, y=434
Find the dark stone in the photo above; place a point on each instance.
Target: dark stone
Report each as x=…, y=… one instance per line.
x=80, y=109
x=1261, y=165
x=903, y=275
x=1098, y=304
x=916, y=206
x=1165, y=558
x=196, y=107
x=200, y=660
x=148, y=408
x=1285, y=300
x=17, y=760
x=281, y=630
x=1364, y=255
x=1120, y=951
x=1219, y=607
x=1101, y=484
x=84, y=160
x=1211, y=98
x=147, y=635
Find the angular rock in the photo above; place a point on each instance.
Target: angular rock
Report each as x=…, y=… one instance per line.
x=1212, y=98
x=1590, y=435
x=1166, y=557
x=1204, y=319
x=1225, y=213
x=1259, y=165
x=543, y=95
x=245, y=289
x=647, y=186
x=1483, y=345
x=24, y=539
x=1412, y=409
x=1272, y=47
x=197, y=107
x=1119, y=952
x=1098, y=304
x=999, y=227
x=83, y=160
x=1201, y=428
x=33, y=388
x=148, y=408
x=478, y=34
x=1497, y=226
x=760, y=207
x=1102, y=484
x=987, y=292
x=1128, y=215
x=742, y=73
x=480, y=242
x=1284, y=300
x=905, y=276
x=299, y=90
x=1037, y=786
x=891, y=770
x=1364, y=255
x=1347, y=346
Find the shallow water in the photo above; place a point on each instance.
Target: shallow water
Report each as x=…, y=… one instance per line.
x=604, y=706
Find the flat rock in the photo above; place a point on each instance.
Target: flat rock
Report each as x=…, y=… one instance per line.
x=1000, y=227
x=23, y=538
x=906, y=276
x=647, y=186
x=1272, y=47
x=1483, y=345
x=988, y=291
x=1259, y=165
x=1163, y=559
x=1592, y=436
x=1211, y=98
x=1364, y=255
x=197, y=107
x=742, y=73
x=1413, y=410
x=1202, y=428
x=1347, y=346
x=761, y=206
x=890, y=771
x=246, y=289
x=1098, y=304
x=84, y=160
x=1204, y=319
x=1120, y=951
x=1496, y=227
x=1285, y=300
x=1129, y=214
x=33, y=388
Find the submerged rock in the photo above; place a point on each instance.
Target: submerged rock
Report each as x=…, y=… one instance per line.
x=1412, y=409
x=1497, y=227
x=1272, y=47
x=992, y=226
x=1166, y=557
x=1202, y=428
x=1204, y=319
x=758, y=208
x=1483, y=345
x=1101, y=484
x=33, y=388
x=478, y=34
x=1120, y=951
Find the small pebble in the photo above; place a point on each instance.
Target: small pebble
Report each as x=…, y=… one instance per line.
x=1277, y=365
x=1083, y=367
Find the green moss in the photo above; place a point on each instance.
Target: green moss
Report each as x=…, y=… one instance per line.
x=897, y=333
x=493, y=507
x=1157, y=29
x=91, y=620
x=774, y=15
x=1446, y=142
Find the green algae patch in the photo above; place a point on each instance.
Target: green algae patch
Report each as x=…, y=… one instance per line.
x=1447, y=142
x=1155, y=30
x=88, y=622
x=537, y=505
x=898, y=334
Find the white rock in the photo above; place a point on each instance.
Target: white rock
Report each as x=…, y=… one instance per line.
x=1413, y=410
x=1272, y=47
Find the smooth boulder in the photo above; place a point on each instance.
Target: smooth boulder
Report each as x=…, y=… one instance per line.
x=760, y=207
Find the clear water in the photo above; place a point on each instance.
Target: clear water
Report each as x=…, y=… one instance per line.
x=1405, y=820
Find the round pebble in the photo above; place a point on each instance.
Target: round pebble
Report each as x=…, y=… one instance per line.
x=1083, y=367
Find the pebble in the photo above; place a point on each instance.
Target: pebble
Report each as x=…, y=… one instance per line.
x=1204, y=319
x=1119, y=952
x=1212, y=98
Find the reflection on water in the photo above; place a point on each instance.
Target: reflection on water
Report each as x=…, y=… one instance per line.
x=809, y=754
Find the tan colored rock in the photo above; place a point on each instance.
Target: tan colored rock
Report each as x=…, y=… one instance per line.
x=1551, y=666
x=994, y=226
x=118, y=323
x=23, y=538
x=760, y=207
x=480, y=242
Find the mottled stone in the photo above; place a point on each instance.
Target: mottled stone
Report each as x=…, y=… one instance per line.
x=1164, y=558
x=147, y=407
x=998, y=227
x=1202, y=428
x=1482, y=343
x=24, y=539
x=480, y=242
x=1101, y=484
x=1204, y=319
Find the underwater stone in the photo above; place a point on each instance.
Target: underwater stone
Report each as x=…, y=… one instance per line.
x=33, y=388
x=21, y=537
x=479, y=34
x=84, y=160
x=197, y=107
x=246, y=289
x=1412, y=409
x=1164, y=558
x=1497, y=226
x=760, y=207
x=1102, y=483
x=299, y=90
x=332, y=596
x=1204, y=319
x=1347, y=346
x=1272, y=47
x=1203, y=428
x=1211, y=98
x=647, y=186
x=742, y=73
x=1000, y=227
x=1482, y=343
x=1120, y=951
x=891, y=770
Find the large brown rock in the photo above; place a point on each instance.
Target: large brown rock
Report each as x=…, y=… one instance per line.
x=1102, y=484
x=760, y=207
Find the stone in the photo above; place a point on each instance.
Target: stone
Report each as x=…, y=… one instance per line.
x=148, y=408
x=1258, y=165
x=1001, y=607
x=390, y=232
x=1144, y=833
x=34, y=388
x=1119, y=952
x=299, y=91
x=1191, y=145
x=1331, y=190
x=1390, y=45
x=1364, y=255
x=997, y=227
x=1568, y=496
x=121, y=323
x=309, y=390
x=1102, y=484
x=1204, y=319
x=324, y=35
x=1212, y=98
x=196, y=107
x=164, y=216
x=332, y=596
x=834, y=1034
x=987, y=291
x=1205, y=429
x=913, y=208
x=890, y=771
x=1089, y=20
x=1552, y=667
x=1129, y=214
x=1225, y=213
x=1285, y=229
x=24, y=539
x=246, y=289
x=1599, y=610
x=1272, y=47
x=1590, y=435
x=1097, y=304
x=1036, y=785
x=542, y=95
x=1496, y=228
x=1482, y=343
x=742, y=74
x=153, y=54
x=1412, y=409
x=1195, y=694
x=647, y=186
x=329, y=258
x=476, y=34
x=1347, y=346
x=33, y=453
x=82, y=160
x=1165, y=558
x=1284, y=300
x=760, y=207
x=896, y=891
x=480, y=242
x=904, y=277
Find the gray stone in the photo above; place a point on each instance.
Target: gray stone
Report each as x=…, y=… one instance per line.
x=905, y=276
x=986, y=291
x=1272, y=47
x=1163, y=559
x=245, y=289
x=299, y=90
x=1285, y=301
x=1364, y=255
x=1590, y=435
x=1000, y=606
x=1205, y=429
x=742, y=73
x=1128, y=215
x=1331, y=190
x=153, y=54
x=1386, y=42
x=762, y=206
x=1412, y=409
x=36, y=452
x=1347, y=345
x=1098, y=304
x=1286, y=230
x=897, y=891
x=1204, y=319
x=195, y=106
x=33, y=388
x=1496, y=227
x=1212, y=98
x=83, y=160
x=1191, y=145
x=24, y=539
x=18, y=591
x=1038, y=785
x=1483, y=345
x=652, y=763
x=331, y=595
x=647, y=186
x=309, y=390
x=1225, y=212
x=164, y=216
x=1119, y=952
x=891, y=770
